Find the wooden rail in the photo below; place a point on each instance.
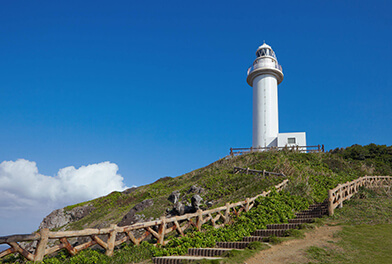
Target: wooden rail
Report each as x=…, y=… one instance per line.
x=116, y=235
x=255, y=172
x=305, y=149
x=345, y=191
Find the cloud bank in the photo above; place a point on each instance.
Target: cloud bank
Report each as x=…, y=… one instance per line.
x=25, y=193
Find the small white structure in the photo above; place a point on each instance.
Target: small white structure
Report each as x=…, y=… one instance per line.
x=264, y=76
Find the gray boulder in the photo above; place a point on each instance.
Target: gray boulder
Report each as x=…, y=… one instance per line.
x=131, y=217
x=196, y=201
x=196, y=189
x=179, y=208
x=174, y=197
x=61, y=217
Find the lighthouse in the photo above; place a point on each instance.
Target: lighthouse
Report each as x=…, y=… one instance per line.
x=264, y=76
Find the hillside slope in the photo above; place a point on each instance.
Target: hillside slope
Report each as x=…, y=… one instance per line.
x=311, y=175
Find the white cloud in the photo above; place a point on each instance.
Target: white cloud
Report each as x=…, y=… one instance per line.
x=25, y=193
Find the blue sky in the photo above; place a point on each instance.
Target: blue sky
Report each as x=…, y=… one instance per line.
x=159, y=87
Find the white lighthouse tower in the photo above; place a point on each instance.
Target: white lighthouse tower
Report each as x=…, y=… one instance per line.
x=264, y=76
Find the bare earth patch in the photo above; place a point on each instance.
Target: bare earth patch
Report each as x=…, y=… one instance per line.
x=293, y=251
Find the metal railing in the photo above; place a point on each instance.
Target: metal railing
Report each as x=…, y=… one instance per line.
x=259, y=66
x=305, y=149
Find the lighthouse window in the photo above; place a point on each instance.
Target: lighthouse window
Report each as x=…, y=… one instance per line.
x=291, y=141
x=267, y=52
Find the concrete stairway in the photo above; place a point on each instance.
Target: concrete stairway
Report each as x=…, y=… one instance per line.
x=279, y=230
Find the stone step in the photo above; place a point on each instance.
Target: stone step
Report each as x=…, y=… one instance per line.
x=208, y=252
x=313, y=211
x=318, y=206
x=233, y=245
x=254, y=238
x=282, y=226
x=181, y=259
x=301, y=220
x=305, y=215
x=269, y=232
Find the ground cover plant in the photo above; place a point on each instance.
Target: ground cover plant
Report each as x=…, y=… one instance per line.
x=311, y=176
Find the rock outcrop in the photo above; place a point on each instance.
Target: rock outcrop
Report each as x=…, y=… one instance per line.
x=61, y=217
x=179, y=206
x=131, y=217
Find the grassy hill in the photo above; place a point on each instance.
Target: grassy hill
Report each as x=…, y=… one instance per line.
x=311, y=175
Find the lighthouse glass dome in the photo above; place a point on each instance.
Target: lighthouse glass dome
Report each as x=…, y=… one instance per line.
x=265, y=52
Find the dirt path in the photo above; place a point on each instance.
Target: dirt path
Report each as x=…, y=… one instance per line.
x=293, y=251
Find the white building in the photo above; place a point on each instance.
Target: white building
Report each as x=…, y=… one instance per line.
x=264, y=76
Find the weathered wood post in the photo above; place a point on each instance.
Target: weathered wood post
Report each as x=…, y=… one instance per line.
x=340, y=196
x=161, y=231
x=178, y=227
x=246, y=204
x=40, y=251
x=111, y=240
x=21, y=251
x=199, y=220
x=227, y=214
x=330, y=202
x=231, y=152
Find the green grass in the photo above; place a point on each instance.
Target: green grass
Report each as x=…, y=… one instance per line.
x=311, y=176
x=366, y=236
x=359, y=244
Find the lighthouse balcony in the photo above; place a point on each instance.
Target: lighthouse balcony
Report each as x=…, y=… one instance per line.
x=264, y=66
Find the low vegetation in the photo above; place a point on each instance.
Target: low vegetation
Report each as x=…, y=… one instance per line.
x=310, y=175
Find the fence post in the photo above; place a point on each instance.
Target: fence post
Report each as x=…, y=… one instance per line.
x=231, y=151
x=111, y=241
x=227, y=214
x=246, y=204
x=330, y=202
x=161, y=231
x=199, y=220
x=340, y=196
x=40, y=251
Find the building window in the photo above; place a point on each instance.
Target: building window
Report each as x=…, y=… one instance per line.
x=291, y=141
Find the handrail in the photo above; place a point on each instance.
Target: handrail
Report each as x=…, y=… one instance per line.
x=345, y=191
x=307, y=149
x=260, y=66
x=180, y=224
x=255, y=172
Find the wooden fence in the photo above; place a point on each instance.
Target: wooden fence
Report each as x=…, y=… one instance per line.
x=305, y=149
x=117, y=235
x=255, y=172
x=345, y=191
